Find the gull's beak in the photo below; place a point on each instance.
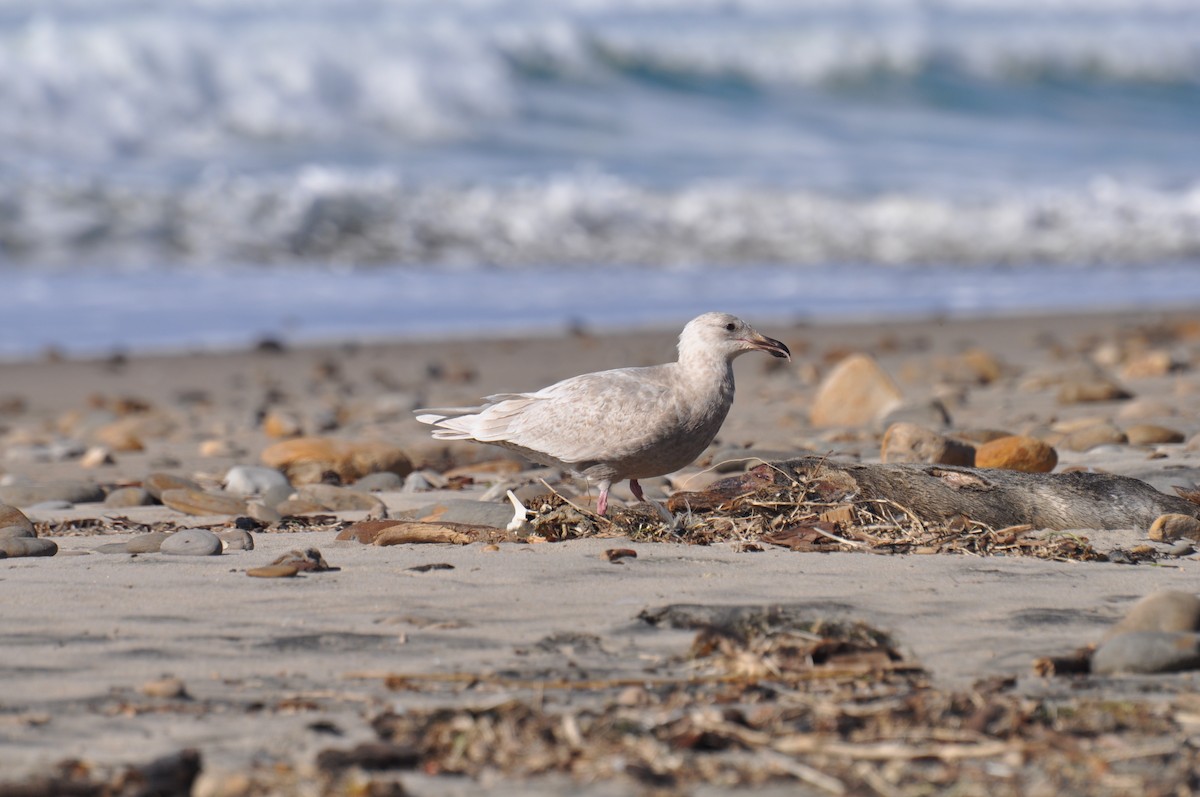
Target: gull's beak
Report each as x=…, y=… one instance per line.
x=773, y=347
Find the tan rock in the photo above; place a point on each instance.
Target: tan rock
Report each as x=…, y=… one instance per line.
x=984, y=364
x=159, y=482
x=11, y=516
x=199, y=502
x=130, y=432
x=978, y=437
x=1073, y=425
x=1147, y=364
x=854, y=393
x=1149, y=434
x=1166, y=610
x=304, y=460
x=96, y=456
x=1025, y=454
x=908, y=442
x=1168, y=528
x=1098, y=435
x=1091, y=391
x=1193, y=443
x=220, y=448
x=1145, y=408
x=280, y=423
x=339, y=499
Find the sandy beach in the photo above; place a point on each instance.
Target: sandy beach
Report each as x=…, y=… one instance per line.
x=115, y=660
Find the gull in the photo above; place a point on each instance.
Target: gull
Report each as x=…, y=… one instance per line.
x=627, y=423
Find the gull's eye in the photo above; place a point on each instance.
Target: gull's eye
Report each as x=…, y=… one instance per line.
x=731, y=326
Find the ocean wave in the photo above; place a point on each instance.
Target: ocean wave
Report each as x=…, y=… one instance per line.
x=134, y=81
x=322, y=216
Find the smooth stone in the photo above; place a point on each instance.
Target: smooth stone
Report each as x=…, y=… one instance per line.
x=300, y=506
x=277, y=495
x=1147, y=652
x=383, y=481
x=908, y=442
x=95, y=457
x=111, y=547
x=476, y=513
x=931, y=413
x=1148, y=364
x=855, y=393
x=237, y=540
x=274, y=571
x=1017, y=452
x=1094, y=436
x=1171, y=527
x=1146, y=408
x=192, y=542
x=1074, y=392
x=340, y=499
x=71, y=491
x=1149, y=434
x=169, y=688
x=263, y=513
x=159, y=482
x=1165, y=610
x=254, y=480
x=16, y=532
x=11, y=516
x=220, y=448
x=282, y=423
x=129, y=496
x=415, y=482
x=199, y=502
x=1182, y=548
x=28, y=546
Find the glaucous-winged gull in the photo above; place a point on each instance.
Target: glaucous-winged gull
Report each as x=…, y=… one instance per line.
x=628, y=423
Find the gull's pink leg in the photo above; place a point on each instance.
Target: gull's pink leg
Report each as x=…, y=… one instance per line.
x=636, y=489
x=602, y=501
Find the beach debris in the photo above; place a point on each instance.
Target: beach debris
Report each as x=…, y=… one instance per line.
x=1017, y=452
x=192, y=542
x=856, y=392
x=409, y=532
x=618, y=555
x=202, y=502
x=519, y=522
x=306, y=460
x=619, y=424
x=426, y=568
x=908, y=442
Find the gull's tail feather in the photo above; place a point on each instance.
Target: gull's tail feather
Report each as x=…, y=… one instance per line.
x=453, y=423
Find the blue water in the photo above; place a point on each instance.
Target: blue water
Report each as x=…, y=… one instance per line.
x=175, y=153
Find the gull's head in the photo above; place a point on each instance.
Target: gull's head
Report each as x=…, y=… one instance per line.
x=727, y=335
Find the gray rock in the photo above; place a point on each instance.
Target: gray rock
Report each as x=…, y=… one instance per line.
x=237, y=540
x=340, y=499
x=276, y=495
x=51, y=506
x=74, y=492
x=1182, y=548
x=16, y=532
x=111, y=547
x=1166, y=610
x=263, y=513
x=1147, y=652
x=416, y=482
x=382, y=481
x=28, y=546
x=128, y=496
x=254, y=480
x=11, y=516
x=192, y=542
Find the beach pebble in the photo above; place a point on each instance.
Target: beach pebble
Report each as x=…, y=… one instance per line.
x=128, y=496
x=282, y=423
x=855, y=393
x=1165, y=610
x=53, y=505
x=1193, y=443
x=27, y=546
x=254, y=480
x=1171, y=527
x=930, y=412
x=73, y=492
x=11, y=516
x=237, y=540
x=263, y=513
x=150, y=542
x=159, y=482
x=1147, y=364
x=1079, y=392
x=305, y=460
x=58, y=451
x=220, y=448
x=122, y=435
x=192, y=542
x=415, y=482
x=908, y=442
x=300, y=506
x=383, y=481
x=169, y=688
x=1182, y=548
x=341, y=499
x=1147, y=652
x=199, y=502
x=1099, y=434
x=1149, y=434
x=95, y=457
x=1145, y=408
x=1017, y=452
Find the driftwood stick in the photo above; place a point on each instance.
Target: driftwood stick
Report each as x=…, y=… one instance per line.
x=998, y=498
